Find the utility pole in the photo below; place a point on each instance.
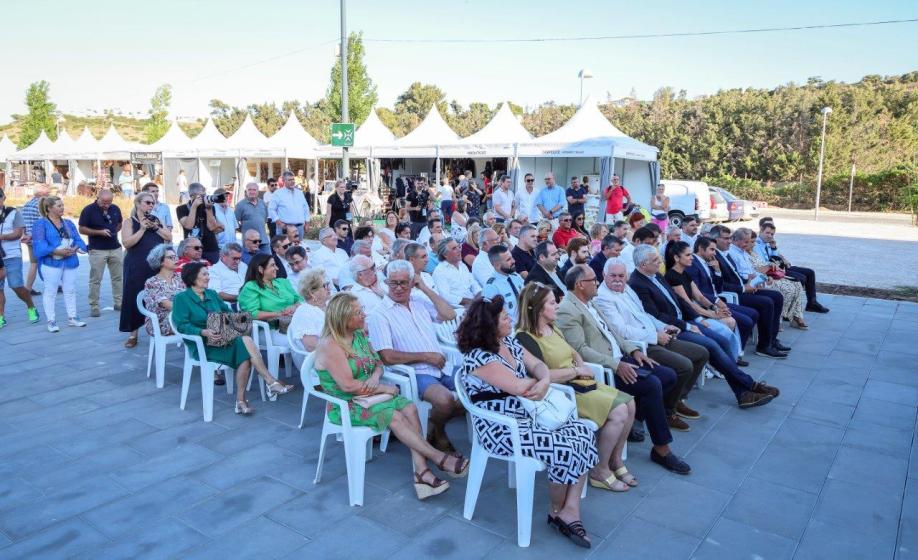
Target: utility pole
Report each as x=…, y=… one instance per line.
x=822, y=152
x=345, y=160
x=851, y=185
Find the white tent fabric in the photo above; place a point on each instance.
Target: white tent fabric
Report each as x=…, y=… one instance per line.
x=173, y=144
x=210, y=142
x=65, y=146
x=113, y=146
x=40, y=149
x=7, y=148
x=293, y=140
x=496, y=139
x=588, y=134
x=422, y=141
x=86, y=145
x=249, y=141
x=368, y=137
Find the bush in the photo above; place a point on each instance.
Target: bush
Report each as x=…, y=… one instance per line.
x=73, y=205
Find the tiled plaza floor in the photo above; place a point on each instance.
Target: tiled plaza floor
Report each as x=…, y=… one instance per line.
x=95, y=462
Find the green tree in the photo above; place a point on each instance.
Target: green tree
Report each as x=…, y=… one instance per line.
x=41, y=115
x=267, y=117
x=226, y=118
x=158, y=123
x=361, y=91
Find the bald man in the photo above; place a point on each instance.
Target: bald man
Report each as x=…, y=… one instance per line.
x=100, y=222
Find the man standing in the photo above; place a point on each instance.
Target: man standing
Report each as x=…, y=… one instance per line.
x=271, y=188
x=526, y=208
x=12, y=227
x=524, y=251
x=160, y=210
x=546, y=269
x=228, y=275
x=100, y=222
x=617, y=199
x=417, y=201
x=288, y=205
x=576, y=197
x=181, y=185
x=451, y=277
x=503, y=200
x=252, y=214
x=550, y=200
x=227, y=218
x=198, y=220
x=505, y=281
x=30, y=215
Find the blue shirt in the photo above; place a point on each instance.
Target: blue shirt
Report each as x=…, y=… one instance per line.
x=764, y=250
x=46, y=238
x=507, y=285
x=741, y=262
x=548, y=198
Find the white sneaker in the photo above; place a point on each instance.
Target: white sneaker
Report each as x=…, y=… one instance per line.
x=75, y=322
x=52, y=326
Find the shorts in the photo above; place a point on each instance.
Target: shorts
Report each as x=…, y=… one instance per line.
x=13, y=273
x=425, y=381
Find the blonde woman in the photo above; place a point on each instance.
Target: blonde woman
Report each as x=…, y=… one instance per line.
x=140, y=234
x=309, y=318
x=470, y=247
x=607, y=407
x=543, y=230
x=55, y=243
x=349, y=368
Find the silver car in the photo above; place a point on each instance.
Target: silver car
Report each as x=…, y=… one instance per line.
x=719, y=211
x=738, y=208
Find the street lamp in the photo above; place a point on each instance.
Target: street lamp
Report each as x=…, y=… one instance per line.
x=822, y=153
x=584, y=74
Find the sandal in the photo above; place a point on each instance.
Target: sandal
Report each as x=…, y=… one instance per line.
x=622, y=474
x=424, y=489
x=244, y=408
x=573, y=530
x=283, y=390
x=798, y=323
x=219, y=379
x=459, y=470
x=130, y=342
x=612, y=484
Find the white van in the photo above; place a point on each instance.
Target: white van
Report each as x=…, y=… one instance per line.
x=687, y=198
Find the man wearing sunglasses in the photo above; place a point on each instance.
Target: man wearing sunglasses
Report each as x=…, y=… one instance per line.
x=189, y=250
x=100, y=222
x=279, y=246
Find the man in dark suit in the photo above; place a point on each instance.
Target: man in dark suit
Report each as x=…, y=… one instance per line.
x=610, y=247
x=546, y=269
x=767, y=303
x=660, y=301
x=703, y=276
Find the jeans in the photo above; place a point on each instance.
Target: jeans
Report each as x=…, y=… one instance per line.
x=66, y=279
x=721, y=335
x=739, y=381
x=99, y=260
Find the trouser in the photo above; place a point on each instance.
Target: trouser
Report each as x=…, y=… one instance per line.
x=746, y=319
x=446, y=210
x=612, y=218
x=211, y=256
x=687, y=360
x=808, y=278
x=739, y=381
x=722, y=335
x=99, y=259
x=272, y=229
x=66, y=279
x=768, y=304
x=648, y=390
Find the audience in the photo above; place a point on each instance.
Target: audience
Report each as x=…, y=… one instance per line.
x=190, y=250
x=610, y=247
x=297, y=260
x=451, y=278
x=494, y=375
x=100, y=222
x=343, y=233
x=767, y=248
x=470, y=247
x=279, y=246
x=252, y=215
x=546, y=269
x=308, y=319
x=329, y=256
x=524, y=251
x=251, y=243
x=689, y=233
x=367, y=287
x=504, y=281
x=565, y=233
x=161, y=288
x=228, y=275
x=481, y=266
x=598, y=231
x=578, y=252
x=791, y=290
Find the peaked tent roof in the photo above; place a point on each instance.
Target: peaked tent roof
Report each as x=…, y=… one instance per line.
x=114, y=145
x=174, y=142
x=40, y=149
x=248, y=140
x=495, y=139
x=370, y=135
x=423, y=140
x=293, y=139
x=6, y=148
x=209, y=141
x=589, y=134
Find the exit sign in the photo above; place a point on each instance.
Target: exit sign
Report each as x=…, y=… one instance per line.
x=342, y=134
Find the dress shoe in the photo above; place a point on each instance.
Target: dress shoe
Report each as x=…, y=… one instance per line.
x=742, y=363
x=771, y=352
x=817, y=307
x=35, y=292
x=684, y=411
x=751, y=399
x=670, y=462
x=780, y=347
x=766, y=389
x=676, y=423
x=635, y=436
x=94, y=312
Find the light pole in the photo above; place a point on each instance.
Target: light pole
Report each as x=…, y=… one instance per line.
x=584, y=74
x=822, y=153
x=345, y=159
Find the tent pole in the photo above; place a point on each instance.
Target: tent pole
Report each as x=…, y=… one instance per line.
x=437, y=174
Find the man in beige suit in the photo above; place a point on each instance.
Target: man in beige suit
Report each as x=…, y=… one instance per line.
x=636, y=374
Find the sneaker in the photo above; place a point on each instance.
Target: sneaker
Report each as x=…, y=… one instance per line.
x=2, y=321
x=676, y=423
x=75, y=322
x=33, y=315
x=52, y=327
x=750, y=399
x=684, y=411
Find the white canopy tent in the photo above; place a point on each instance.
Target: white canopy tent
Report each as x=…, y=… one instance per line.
x=422, y=143
x=291, y=142
x=7, y=148
x=41, y=150
x=178, y=153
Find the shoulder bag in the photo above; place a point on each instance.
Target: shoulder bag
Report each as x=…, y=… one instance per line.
x=552, y=412
x=227, y=327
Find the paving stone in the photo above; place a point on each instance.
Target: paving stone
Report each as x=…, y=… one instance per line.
x=730, y=539
x=450, y=537
x=238, y=505
x=868, y=469
x=757, y=502
x=180, y=460
x=52, y=480
x=16, y=491
x=338, y=541
x=64, y=539
x=160, y=539
x=860, y=508
x=885, y=413
x=640, y=539
x=161, y=441
x=892, y=392
x=262, y=538
x=825, y=541
x=682, y=506
x=894, y=442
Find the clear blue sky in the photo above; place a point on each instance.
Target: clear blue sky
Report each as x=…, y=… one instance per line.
x=107, y=53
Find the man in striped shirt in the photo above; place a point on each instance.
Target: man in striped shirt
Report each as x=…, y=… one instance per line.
x=402, y=331
x=30, y=215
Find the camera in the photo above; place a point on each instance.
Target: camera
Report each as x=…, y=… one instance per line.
x=214, y=198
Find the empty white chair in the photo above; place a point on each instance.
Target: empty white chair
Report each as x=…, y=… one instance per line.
x=297, y=350
x=261, y=334
x=158, y=342
x=208, y=369
x=446, y=331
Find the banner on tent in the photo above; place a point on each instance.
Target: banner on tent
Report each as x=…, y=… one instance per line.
x=146, y=158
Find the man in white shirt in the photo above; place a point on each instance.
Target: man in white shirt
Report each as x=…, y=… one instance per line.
x=513, y=231
x=417, y=255
x=367, y=287
x=288, y=205
x=690, y=231
x=434, y=223
x=503, y=200
x=452, y=278
x=297, y=261
x=228, y=275
x=481, y=266
x=329, y=256
x=525, y=201
x=181, y=185
x=402, y=331
x=361, y=247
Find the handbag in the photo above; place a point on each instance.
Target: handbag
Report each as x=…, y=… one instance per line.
x=227, y=327
x=367, y=401
x=550, y=413
x=775, y=273
x=283, y=323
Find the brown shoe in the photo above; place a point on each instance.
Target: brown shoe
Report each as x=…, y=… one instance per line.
x=678, y=424
x=750, y=399
x=766, y=389
x=684, y=411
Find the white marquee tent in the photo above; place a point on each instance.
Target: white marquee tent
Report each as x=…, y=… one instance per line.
x=7, y=148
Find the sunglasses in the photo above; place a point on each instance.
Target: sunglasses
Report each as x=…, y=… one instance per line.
x=530, y=180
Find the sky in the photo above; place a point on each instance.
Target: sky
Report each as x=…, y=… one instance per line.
x=101, y=54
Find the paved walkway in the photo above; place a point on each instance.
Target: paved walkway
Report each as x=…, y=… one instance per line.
x=98, y=463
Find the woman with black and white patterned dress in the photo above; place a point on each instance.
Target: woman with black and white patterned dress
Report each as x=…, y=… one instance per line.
x=494, y=375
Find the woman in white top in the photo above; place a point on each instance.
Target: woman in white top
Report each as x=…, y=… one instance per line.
x=309, y=318
x=459, y=220
x=126, y=181
x=659, y=207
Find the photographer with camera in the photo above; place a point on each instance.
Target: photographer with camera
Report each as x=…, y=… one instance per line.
x=288, y=206
x=198, y=219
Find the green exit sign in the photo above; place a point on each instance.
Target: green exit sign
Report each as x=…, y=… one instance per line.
x=342, y=134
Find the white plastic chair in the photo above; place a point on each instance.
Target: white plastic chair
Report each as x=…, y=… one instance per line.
x=446, y=331
x=158, y=342
x=521, y=472
x=296, y=348
x=207, y=372
x=408, y=385
x=358, y=440
x=261, y=334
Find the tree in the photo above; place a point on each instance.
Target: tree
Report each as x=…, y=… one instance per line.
x=267, y=118
x=41, y=115
x=226, y=118
x=361, y=91
x=158, y=123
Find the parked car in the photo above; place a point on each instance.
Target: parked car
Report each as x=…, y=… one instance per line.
x=719, y=211
x=687, y=198
x=738, y=208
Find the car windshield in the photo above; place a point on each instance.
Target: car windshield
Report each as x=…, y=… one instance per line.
x=728, y=196
x=717, y=196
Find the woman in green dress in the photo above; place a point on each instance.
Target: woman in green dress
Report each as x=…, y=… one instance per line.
x=349, y=368
x=189, y=313
x=267, y=297
x=607, y=407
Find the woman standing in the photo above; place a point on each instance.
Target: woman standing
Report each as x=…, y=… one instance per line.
x=339, y=204
x=55, y=242
x=473, y=195
x=162, y=287
x=659, y=207
x=139, y=235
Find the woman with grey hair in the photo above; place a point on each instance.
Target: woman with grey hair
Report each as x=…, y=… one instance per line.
x=161, y=288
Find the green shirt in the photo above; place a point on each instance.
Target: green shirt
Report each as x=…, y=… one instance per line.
x=276, y=297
